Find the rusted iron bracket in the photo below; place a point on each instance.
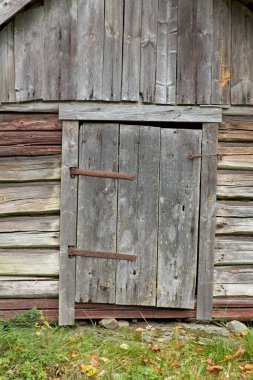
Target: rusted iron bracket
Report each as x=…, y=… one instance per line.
x=96, y=173
x=72, y=251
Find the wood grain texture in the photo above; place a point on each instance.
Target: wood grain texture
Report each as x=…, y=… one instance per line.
x=242, y=274
x=236, y=156
x=112, y=62
x=7, y=63
x=234, y=184
x=32, y=106
x=29, y=122
x=137, y=229
x=221, y=65
x=97, y=213
x=68, y=218
x=236, y=132
x=140, y=112
x=90, y=30
x=166, y=65
x=148, y=50
x=60, y=44
x=233, y=250
x=234, y=226
x=29, y=54
x=232, y=290
x=207, y=222
x=131, y=50
x=9, y=8
x=178, y=218
x=29, y=198
x=33, y=231
x=28, y=169
x=239, y=209
x=29, y=262
x=28, y=288
x=242, y=48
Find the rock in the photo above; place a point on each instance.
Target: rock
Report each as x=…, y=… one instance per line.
x=123, y=324
x=237, y=327
x=206, y=328
x=109, y=323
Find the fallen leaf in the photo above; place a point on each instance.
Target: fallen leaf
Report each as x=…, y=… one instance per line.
x=244, y=332
x=105, y=360
x=214, y=368
x=94, y=361
x=102, y=373
x=154, y=347
x=139, y=329
x=89, y=370
x=174, y=363
x=210, y=361
x=198, y=349
x=145, y=361
x=240, y=351
x=124, y=346
x=246, y=367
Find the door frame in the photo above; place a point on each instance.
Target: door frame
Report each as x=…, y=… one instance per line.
x=71, y=114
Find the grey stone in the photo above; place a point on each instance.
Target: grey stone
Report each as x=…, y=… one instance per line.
x=236, y=327
x=123, y=324
x=206, y=328
x=109, y=323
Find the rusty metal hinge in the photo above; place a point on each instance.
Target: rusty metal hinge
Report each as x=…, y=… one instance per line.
x=73, y=251
x=96, y=173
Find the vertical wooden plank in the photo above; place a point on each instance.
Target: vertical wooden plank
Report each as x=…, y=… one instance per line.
x=221, y=68
x=166, y=65
x=68, y=223
x=187, y=57
x=178, y=218
x=207, y=222
x=97, y=213
x=138, y=215
x=29, y=54
x=204, y=45
x=148, y=50
x=59, y=80
x=112, y=66
x=131, y=50
x=7, y=64
x=242, y=54
x=90, y=32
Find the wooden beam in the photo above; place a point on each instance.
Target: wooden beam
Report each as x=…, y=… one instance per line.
x=37, y=106
x=9, y=8
x=207, y=222
x=137, y=112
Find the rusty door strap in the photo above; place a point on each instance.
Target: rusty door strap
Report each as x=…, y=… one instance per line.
x=72, y=251
x=96, y=173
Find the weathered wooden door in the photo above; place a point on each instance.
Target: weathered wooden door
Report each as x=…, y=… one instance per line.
x=155, y=217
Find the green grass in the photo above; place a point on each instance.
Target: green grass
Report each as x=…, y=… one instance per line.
x=31, y=349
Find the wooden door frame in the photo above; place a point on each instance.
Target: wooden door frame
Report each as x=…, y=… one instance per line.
x=72, y=114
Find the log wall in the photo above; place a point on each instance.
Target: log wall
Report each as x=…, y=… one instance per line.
x=152, y=51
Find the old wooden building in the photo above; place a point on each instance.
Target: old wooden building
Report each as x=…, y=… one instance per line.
x=126, y=158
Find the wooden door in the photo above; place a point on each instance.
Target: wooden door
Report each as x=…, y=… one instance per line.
x=155, y=217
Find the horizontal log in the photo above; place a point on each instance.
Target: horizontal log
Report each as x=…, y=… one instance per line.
x=234, y=184
x=230, y=302
x=29, y=198
x=233, y=290
x=234, y=226
x=25, y=169
x=30, y=138
x=237, y=209
x=236, y=125
x=29, y=150
x=230, y=251
x=29, y=122
x=33, y=288
x=33, y=106
x=33, y=231
x=235, y=132
x=29, y=262
x=235, y=157
x=126, y=112
x=233, y=274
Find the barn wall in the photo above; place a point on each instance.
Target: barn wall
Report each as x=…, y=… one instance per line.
x=30, y=161
x=152, y=51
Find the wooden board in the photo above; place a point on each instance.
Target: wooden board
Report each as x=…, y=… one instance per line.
x=90, y=31
x=33, y=231
x=97, y=213
x=29, y=198
x=29, y=122
x=33, y=288
x=166, y=65
x=234, y=184
x=29, y=54
x=233, y=274
x=131, y=50
x=237, y=209
x=112, y=62
x=237, y=156
x=29, y=262
x=232, y=290
x=9, y=8
x=207, y=222
x=145, y=113
x=7, y=70
x=232, y=132
x=233, y=250
x=234, y=226
x=68, y=223
x=137, y=228
x=27, y=169
x=178, y=218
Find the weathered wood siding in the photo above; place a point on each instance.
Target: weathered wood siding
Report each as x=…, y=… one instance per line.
x=30, y=162
x=233, y=274
x=152, y=51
